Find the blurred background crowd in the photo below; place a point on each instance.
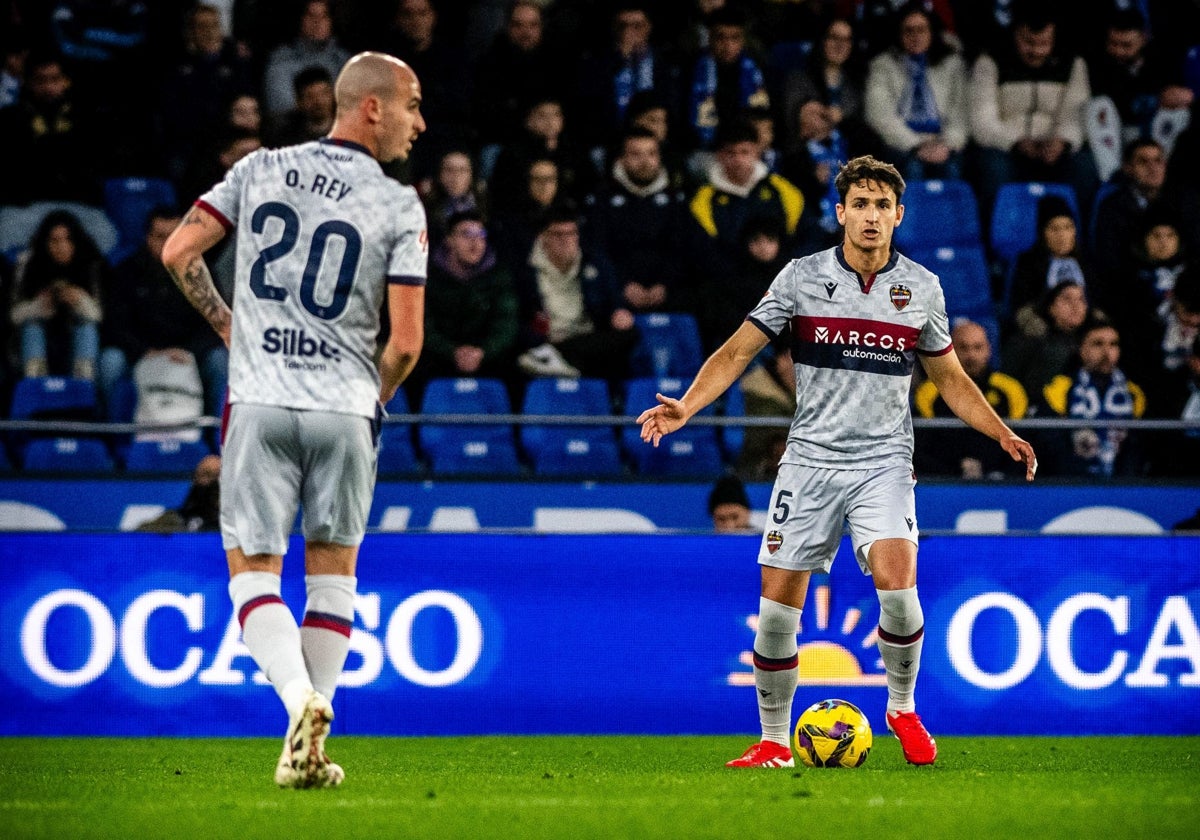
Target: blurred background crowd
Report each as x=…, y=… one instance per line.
x=595, y=171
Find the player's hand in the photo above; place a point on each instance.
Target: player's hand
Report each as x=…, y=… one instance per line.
x=669, y=415
x=1020, y=450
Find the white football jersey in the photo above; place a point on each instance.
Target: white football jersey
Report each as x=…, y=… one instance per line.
x=854, y=345
x=320, y=233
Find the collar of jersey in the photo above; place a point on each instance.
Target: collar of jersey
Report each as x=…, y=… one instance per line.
x=840, y=253
x=346, y=144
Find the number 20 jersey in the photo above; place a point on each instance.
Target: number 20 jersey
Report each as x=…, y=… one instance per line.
x=854, y=344
x=321, y=231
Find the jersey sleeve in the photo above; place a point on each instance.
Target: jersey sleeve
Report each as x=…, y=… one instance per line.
x=224, y=199
x=778, y=305
x=408, y=261
x=935, y=335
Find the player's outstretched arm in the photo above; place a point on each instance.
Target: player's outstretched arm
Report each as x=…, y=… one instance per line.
x=406, y=312
x=966, y=400
x=183, y=256
x=715, y=376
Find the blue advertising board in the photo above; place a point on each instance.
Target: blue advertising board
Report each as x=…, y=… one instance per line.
x=615, y=507
x=133, y=634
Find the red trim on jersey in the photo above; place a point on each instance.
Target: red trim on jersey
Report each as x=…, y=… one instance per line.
x=865, y=285
x=215, y=213
x=941, y=352
x=860, y=332
x=225, y=418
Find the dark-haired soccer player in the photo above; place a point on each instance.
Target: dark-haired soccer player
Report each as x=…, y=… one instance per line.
x=860, y=314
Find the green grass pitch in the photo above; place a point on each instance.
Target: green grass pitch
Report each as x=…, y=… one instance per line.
x=581, y=787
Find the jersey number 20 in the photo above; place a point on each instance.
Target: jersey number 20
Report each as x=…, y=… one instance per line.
x=316, y=253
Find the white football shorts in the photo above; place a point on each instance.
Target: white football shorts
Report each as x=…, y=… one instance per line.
x=810, y=507
x=277, y=459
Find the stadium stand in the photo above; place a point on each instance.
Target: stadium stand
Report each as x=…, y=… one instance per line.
x=18, y=224
x=127, y=203
x=67, y=455
x=468, y=449
x=690, y=452
x=1014, y=217
x=570, y=450
x=938, y=213
x=668, y=345
x=396, y=453
x=168, y=455
x=963, y=271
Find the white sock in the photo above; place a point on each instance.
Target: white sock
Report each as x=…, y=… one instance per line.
x=270, y=632
x=901, y=637
x=325, y=632
x=775, y=668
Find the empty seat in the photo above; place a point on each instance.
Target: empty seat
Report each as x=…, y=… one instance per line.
x=462, y=449
x=67, y=455
x=396, y=452
x=128, y=202
x=690, y=452
x=939, y=212
x=668, y=345
x=51, y=398
x=963, y=271
x=570, y=450
x=1014, y=216
x=168, y=455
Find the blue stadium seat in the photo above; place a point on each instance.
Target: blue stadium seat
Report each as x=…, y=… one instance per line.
x=570, y=450
x=468, y=449
x=67, y=455
x=50, y=398
x=165, y=456
x=668, y=345
x=963, y=271
x=733, y=404
x=396, y=452
x=128, y=202
x=1014, y=216
x=690, y=452
x=939, y=212
x=18, y=224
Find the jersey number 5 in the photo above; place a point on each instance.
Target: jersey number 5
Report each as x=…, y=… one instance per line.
x=316, y=254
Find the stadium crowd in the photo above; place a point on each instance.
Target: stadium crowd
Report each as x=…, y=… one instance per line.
x=592, y=165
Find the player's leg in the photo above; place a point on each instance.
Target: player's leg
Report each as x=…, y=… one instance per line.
x=802, y=534
x=883, y=527
x=331, y=586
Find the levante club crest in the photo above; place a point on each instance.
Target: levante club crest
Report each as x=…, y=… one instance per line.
x=900, y=296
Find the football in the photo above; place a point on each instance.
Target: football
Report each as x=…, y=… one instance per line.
x=832, y=733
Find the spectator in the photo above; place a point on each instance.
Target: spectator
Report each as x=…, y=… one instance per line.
x=650, y=112
x=1120, y=209
x=638, y=218
x=916, y=98
x=518, y=66
x=1055, y=257
x=544, y=136
x=470, y=307
x=312, y=117
x=201, y=508
x=725, y=298
x=1178, y=329
x=50, y=143
x=729, y=506
x=1178, y=454
x=146, y=316
x=210, y=165
x=453, y=189
x=14, y=52
x=197, y=90
x=956, y=452
x=244, y=113
x=726, y=79
x=824, y=107
x=444, y=70
x=1137, y=80
x=571, y=308
x=877, y=20
x=1045, y=337
x=315, y=45
x=739, y=189
x=1027, y=112
x=56, y=299
x=1096, y=390
x=769, y=390
x=518, y=225
x=609, y=79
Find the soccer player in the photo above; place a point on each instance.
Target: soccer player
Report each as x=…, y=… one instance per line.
x=860, y=314
x=322, y=237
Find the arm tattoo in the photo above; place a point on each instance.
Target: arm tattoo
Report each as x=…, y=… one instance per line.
x=197, y=285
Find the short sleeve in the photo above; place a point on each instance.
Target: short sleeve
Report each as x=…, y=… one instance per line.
x=935, y=335
x=408, y=261
x=224, y=200
x=778, y=305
